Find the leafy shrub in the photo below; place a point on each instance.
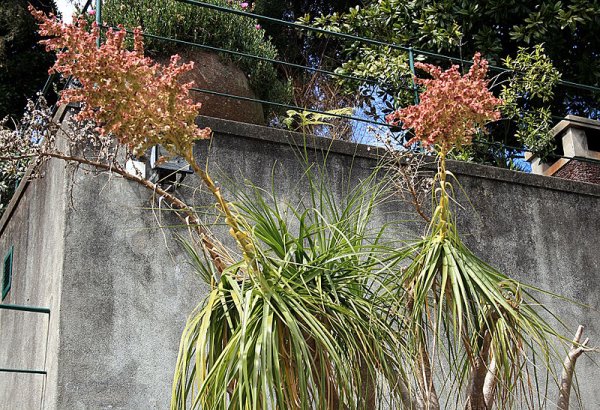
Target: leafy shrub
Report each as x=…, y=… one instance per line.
x=527, y=98
x=169, y=18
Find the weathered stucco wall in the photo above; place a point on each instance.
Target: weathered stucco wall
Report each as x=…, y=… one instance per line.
x=127, y=290
x=34, y=225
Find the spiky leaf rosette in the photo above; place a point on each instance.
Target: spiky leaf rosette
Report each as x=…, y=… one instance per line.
x=464, y=312
x=312, y=330
x=457, y=299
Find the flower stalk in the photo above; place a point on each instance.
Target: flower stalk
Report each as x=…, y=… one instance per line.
x=443, y=208
x=231, y=218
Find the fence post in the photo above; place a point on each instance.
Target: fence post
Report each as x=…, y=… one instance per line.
x=411, y=63
x=99, y=20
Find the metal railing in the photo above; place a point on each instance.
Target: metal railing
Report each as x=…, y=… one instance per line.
x=31, y=309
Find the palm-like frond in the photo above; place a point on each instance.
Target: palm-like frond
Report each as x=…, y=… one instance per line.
x=312, y=327
x=322, y=319
x=478, y=314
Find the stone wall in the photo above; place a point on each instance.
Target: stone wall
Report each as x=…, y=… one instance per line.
x=120, y=288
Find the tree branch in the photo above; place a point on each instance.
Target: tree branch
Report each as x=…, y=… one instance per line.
x=577, y=349
x=241, y=237
x=416, y=201
x=191, y=219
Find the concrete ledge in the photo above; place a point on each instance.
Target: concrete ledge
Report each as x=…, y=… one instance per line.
x=574, y=121
x=280, y=136
x=273, y=135
x=257, y=132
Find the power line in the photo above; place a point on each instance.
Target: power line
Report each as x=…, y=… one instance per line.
x=384, y=124
x=363, y=39
x=288, y=106
x=326, y=72
x=275, y=61
x=292, y=24
x=266, y=59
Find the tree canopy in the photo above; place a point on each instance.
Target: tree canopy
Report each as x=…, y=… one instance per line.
x=293, y=47
x=568, y=31
x=176, y=20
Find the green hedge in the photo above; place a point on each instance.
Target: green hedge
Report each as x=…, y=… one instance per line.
x=169, y=18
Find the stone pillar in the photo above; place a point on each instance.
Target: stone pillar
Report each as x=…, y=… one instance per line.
x=574, y=143
x=579, y=162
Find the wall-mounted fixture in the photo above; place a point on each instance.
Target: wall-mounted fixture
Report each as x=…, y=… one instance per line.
x=168, y=170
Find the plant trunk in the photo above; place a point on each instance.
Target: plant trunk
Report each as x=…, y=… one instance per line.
x=489, y=387
x=430, y=399
x=566, y=381
x=368, y=387
x=479, y=372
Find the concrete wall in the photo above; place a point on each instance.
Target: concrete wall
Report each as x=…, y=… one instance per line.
x=126, y=296
x=34, y=224
x=126, y=288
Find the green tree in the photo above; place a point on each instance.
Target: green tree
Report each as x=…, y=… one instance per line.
x=23, y=63
x=312, y=90
x=169, y=18
x=569, y=31
x=295, y=48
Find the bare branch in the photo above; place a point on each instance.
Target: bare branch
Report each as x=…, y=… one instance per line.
x=190, y=217
x=415, y=198
x=577, y=349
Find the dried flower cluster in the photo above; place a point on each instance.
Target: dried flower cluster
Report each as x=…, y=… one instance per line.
x=119, y=87
x=452, y=107
x=138, y=101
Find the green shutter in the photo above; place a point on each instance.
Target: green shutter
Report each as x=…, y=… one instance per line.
x=7, y=272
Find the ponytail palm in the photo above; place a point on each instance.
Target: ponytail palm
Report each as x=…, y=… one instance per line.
x=478, y=324
x=311, y=327
x=473, y=319
x=323, y=317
